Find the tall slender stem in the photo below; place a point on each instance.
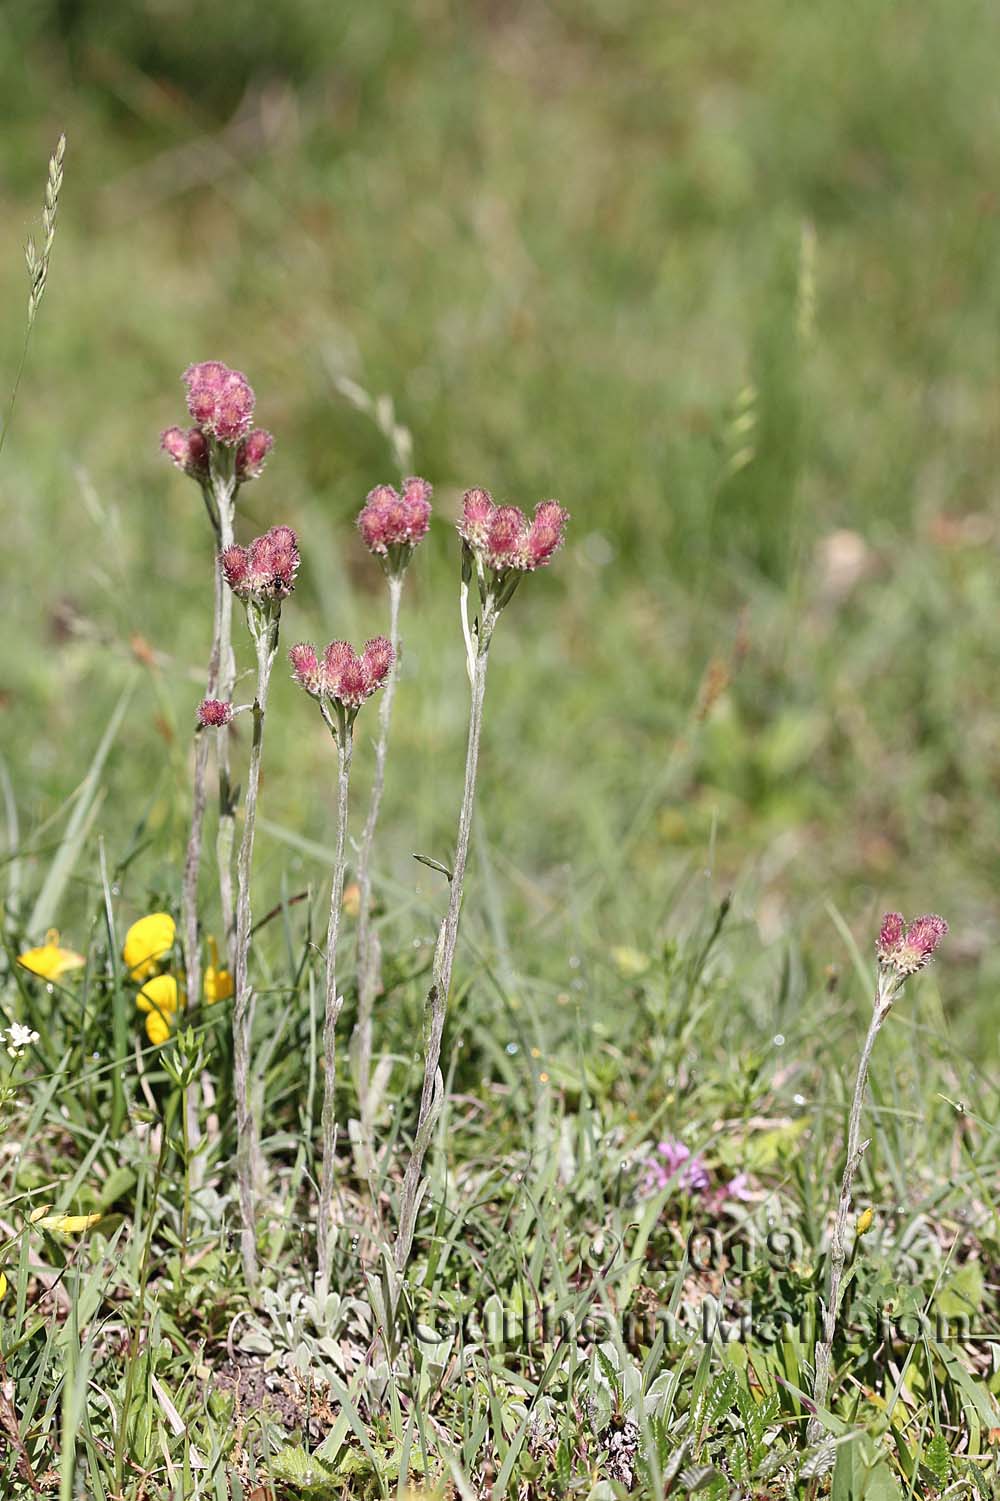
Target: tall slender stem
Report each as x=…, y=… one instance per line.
x=266, y=638
x=368, y=953
x=444, y=954
x=202, y=745
x=226, y=832
x=334, y=1002
x=838, y=1245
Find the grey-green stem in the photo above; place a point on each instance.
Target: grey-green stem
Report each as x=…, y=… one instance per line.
x=436, y=1006
x=838, y=1245
x=333, y=1003
x=368, y=955
x=265, y=633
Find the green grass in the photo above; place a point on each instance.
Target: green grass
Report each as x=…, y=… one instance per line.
x=724, y=281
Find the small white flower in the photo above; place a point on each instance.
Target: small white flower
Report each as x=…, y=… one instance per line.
x=20, y=1037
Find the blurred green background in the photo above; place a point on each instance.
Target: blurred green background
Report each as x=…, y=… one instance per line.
x=723, y=279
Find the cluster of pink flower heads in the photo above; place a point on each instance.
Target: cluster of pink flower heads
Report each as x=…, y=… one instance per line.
x=221, y=401
x=264, y=572
x=904, y=950
x=504, y=537
x=341, y=674
x=392, y=523
x=213, y=713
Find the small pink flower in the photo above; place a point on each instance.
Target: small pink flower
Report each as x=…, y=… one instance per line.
x=907, y=950
x=251, y=454
x=377, y=661
x=352, y=685
x=505, y=537
x=306, y=668
x=188, y=450
x=672, y=1164
x=338, y=656
x=478, y=511
x=545, y=535
x=236, y=568
x=213, y=713
x=265, y=571
x=220, y=400
x=390, y=520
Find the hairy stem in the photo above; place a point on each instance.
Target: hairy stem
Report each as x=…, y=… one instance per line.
x=368, y=957
x=333, y=1005
x=192, y=858
x=226, y=833
x=266, y=637
x=838, y=1245
x=444, y=955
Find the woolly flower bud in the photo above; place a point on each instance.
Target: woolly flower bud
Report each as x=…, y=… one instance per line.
x=213, y=713
x=389, y=519
x=306, y=669
x=377, y=660
x=251, y=454
x=505, y=537
x=220, y=400
x=903, y=950
x=189, y=450
x=265, y=571
x=478, y=511
x=545, y=535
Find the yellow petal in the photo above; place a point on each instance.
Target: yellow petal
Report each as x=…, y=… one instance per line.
x=146, y=943
x=157, y=1028
x=218, y=985
x=50, y=961
x=865, y=1220
x=3, y=1286
x=68, y=1224
x=159, y=994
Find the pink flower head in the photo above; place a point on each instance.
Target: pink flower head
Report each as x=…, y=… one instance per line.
x=251, y=454
x=188, y=450
x=213, y=713
x=389, y=520
x=672, y=1165
x=377, y=661
x=338, y=656
x=505, y=538
x=265, y=571
x=236, y=568
x=545, y=535
x=220, y=400
x=306, y=668
x=906, y=950
x=478, y=511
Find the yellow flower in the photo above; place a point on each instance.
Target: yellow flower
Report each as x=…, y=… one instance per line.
x=157, y=1028
x=66, y=1224
x=3, y=1286
x=159, y=994
x=146, y=943
x=160, y=998
x=865, y=1220
x=50, y=961
x=218, y=982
